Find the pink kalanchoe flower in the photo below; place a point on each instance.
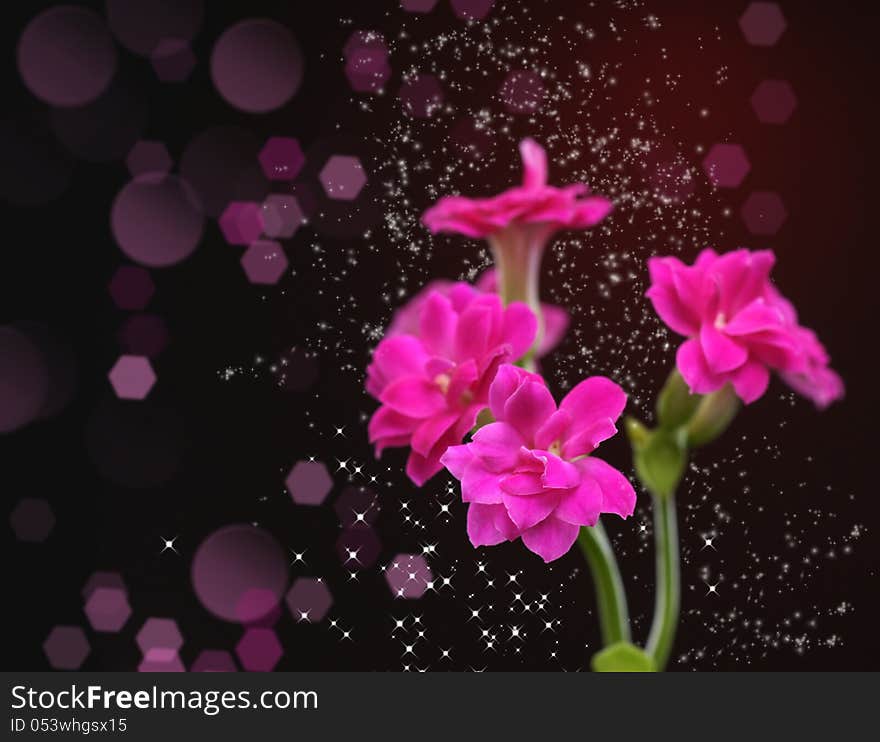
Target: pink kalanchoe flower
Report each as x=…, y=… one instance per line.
x=529, y=475
x=433, y=384
x=722, y=304
x=406, y=319
x=534, y=203
x=519, y=223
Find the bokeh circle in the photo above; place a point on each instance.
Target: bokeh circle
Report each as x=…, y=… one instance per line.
x=257, y=65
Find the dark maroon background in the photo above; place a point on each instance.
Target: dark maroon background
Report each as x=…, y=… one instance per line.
x=240, y=439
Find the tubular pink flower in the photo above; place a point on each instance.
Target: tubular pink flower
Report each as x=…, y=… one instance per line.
x=406, y=319
x=520, y=222
x=737, y=330
x=530, y=474
x=433, y=383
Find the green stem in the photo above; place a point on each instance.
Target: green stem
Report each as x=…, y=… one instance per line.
x=613, y=614
x=668, y=588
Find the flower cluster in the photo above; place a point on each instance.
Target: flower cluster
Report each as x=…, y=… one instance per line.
x=453, y=364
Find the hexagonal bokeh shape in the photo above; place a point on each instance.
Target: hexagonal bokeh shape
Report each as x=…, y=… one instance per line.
x=107, y=609
x=173, y=60
x=131, y=287
x=66, y=647
x=309, y=599
x=148, y=157
x=282, y=216
x=132, y=377
x=281, y=158
x=214, y=660
x=408, y=576
x=241, y=222
x=773, y=101
x=309, y=483
x=161, y=659
x=259, y=650
x=418, y=6
x=764, y=213
x=361, y=39
x=762, y=23
x=32, y=520
x=367, y=69
x=264, y=262
x=343, y=177
x=159, y=633
x=102, y=579
x=472, y=10
x=726, y=165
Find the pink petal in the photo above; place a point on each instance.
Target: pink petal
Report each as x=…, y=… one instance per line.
x=421, y=468
x=431, y=431
x=497, y=445
x=591, y=405
x=751, y=381
x=586, y=441
x=437, y=325
x=462, y=379
x=551, y=538
x=395, y=357
x=582, y=505
x=506, y=382
x=553, y=429
x=757, y=316
x=618, y=495
x=480, y=485
x=414, y=396
x=558, y=474
x=474, y=329
x=523, y=483
x=556, y=321
x=519, y=327
x=589, y=212
x=481, y=528
x=528, y=408
x=670, y=309
x=721, y=352
x=741, y=276
x=388, y=423
x=456, y=460
x=693, y=367
x=534, y=160
x=529, y=510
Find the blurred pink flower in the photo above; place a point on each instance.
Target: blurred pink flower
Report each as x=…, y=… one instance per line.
x=532, y=203
x=406, y=319
x=433, y=383
x=739, y=327
x=529, y=475
x=518, y=224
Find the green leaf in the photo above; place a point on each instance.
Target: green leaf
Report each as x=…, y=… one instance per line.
x=660, y=462
x=623, y=657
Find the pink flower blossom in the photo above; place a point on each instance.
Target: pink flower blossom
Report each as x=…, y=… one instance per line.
x=739, y=327
x=529, y=475
x=518, y=224
x=406, y=319
x=532, y=203
x=813, y=378
x=432, y=384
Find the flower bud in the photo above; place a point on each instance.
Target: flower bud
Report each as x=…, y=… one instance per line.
x=714, y=413
x=676, y=403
